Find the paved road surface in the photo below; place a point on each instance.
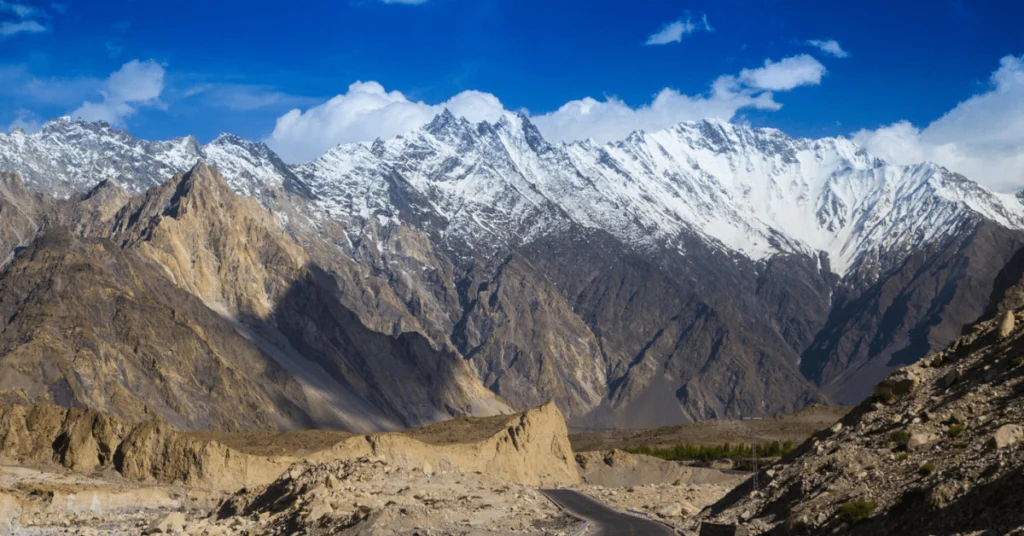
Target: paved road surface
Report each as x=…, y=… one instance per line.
x=607, y=521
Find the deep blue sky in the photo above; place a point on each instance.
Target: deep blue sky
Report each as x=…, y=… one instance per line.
x=908, y=60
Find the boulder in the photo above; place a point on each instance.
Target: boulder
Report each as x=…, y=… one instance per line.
x=319, y=509
x=1006, y=324
x=942, y=495
x=172, y=523
x=672, y=510
x=949, y=379
x=898, y=385
x=1007, y=436
x=689, y=509
x=918, y=440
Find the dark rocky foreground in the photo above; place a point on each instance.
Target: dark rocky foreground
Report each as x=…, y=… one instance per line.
x=938, y=449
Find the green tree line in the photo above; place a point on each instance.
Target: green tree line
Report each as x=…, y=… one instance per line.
x=715, y=452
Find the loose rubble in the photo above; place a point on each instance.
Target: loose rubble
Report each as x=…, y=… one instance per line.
x=36, y=502
x=368, y=497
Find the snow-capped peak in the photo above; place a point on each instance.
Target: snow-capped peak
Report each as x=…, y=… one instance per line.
x=66, y=157
x=753, y=191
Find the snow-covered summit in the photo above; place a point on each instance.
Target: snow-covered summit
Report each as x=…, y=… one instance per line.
x=66, y=157
x=753, y=191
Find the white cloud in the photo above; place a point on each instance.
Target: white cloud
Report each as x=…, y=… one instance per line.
x=8, y=28
x=367, y=111
x=828, y=46
x=981, y=138
x=613, y=119
x=674, y=31
x=136, y=83
x=786, y=74
x=364, y=113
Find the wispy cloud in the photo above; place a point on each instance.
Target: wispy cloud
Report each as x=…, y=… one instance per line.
x=20, y=19
x=8, y=28
x=828, y=46
x=243, y=97
x=674, y=31
x=21, y=11
x=16, y=81
x=135, y=84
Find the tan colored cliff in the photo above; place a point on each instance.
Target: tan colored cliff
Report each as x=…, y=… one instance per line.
x=219, y=246
x=530, y=448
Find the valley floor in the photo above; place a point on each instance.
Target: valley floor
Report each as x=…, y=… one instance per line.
x=73, y=471
x=46, y=500
x=357, y=497
x=795, y=427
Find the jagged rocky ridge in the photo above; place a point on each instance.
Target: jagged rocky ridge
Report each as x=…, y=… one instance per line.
x=531, y=448
x=191, y=303
x=705, y=270
x=937, y=449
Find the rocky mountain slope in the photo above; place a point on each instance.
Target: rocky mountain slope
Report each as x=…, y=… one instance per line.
x=190, y=303
x=939, y=447
x=706, y=270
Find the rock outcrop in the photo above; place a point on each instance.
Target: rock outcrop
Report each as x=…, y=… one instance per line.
x=371, y=496
x=530, y=448
x=78, y=439
x=21, y=214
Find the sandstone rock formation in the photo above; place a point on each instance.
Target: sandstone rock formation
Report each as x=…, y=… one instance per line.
x=531, y=448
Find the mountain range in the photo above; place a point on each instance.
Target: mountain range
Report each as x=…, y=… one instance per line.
x=706, y=270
